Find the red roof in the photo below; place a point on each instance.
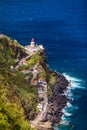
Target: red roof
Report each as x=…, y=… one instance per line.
x=32, y=40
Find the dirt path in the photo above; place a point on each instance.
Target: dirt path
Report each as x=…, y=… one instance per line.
x=34, y=75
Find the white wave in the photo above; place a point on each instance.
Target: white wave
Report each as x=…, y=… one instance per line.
x=68, y=92
x=71, y=78
x=69, y=108
x=64, y=119
x=74, y=82
x=66, y=113
x=69, y=104
x=77, y=85
x=64, y=123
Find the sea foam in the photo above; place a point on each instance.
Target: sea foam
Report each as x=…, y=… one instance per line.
x=74, y=82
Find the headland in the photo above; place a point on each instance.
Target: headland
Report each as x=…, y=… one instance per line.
x=42, y=88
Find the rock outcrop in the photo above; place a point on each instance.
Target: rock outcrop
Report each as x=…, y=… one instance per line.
x=57, y=101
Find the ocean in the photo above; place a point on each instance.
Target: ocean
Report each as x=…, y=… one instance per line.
x=61, y=26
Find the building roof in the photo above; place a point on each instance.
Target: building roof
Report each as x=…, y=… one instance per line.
x=35, y=81
x=32, y=40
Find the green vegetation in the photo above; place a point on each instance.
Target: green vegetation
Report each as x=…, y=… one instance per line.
x=11, y=112
x=52, y=80
x=38, y=58
x=33, y=60
x=11, y=49
x=18, y=98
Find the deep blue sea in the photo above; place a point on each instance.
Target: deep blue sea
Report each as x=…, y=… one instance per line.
x=61, y=26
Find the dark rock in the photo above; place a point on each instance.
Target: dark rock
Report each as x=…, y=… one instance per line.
x=57, y=101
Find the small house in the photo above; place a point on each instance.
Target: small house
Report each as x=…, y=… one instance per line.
x=35, y=82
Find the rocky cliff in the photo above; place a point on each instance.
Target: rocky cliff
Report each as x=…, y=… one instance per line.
x=57, y=100
x=19, y=77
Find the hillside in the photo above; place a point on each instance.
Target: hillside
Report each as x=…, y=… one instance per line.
x=18, y=84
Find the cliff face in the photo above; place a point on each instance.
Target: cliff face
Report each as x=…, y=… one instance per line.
x=57, y=100
x=19, y=77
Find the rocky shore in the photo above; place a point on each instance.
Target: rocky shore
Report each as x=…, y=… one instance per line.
x=55, y=104
x=57, y=101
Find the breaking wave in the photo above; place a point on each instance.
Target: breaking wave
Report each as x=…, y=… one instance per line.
x=76, y=84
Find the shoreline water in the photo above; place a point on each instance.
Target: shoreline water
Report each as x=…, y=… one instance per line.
x=67, y=93
x=70, y=108
x=56, y=104
x=58, y=100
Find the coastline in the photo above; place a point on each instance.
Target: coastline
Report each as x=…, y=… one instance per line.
x=58, y=101
x=52, y=111
x=56, y=104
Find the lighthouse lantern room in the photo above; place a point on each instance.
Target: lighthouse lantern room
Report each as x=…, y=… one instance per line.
x=32, y=43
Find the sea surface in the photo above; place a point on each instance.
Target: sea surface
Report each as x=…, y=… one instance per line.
x=61, y=26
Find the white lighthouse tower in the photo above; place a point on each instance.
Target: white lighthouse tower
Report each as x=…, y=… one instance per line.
x=32, y=43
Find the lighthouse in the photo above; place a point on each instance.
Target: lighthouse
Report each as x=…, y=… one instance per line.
x=32, y=43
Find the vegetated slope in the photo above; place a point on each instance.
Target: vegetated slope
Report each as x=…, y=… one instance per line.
x=18, y=99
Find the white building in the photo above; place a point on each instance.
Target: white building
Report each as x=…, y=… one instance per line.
x=33, y=47
x=41, y=47
x=32, y=43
